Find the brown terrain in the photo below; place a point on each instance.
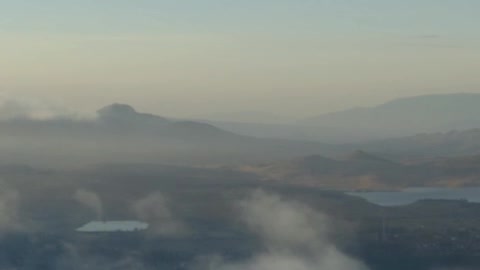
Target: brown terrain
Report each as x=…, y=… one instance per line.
x=365, y=171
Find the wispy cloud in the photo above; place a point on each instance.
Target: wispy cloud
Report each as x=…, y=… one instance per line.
x=12, y=106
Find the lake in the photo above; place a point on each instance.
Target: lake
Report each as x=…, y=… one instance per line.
x=411, y=195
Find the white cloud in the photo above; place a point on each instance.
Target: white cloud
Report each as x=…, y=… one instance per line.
x=91, y=200
x=294, y=235
x=155, y=209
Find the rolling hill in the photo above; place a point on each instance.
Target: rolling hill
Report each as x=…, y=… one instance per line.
x=429, y=145
x=365, y=171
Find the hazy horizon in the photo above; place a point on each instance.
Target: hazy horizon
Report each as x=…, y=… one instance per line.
x=289, y=58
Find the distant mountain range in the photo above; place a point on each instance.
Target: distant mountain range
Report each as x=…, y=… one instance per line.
x=121, y=134
x=405, y=116
x=397, y=118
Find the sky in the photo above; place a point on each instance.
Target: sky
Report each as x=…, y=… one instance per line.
x=192, y=58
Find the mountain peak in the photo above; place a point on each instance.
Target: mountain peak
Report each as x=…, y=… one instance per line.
x=123, y=113
x=117, y=109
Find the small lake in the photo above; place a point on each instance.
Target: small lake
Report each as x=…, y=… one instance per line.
x=411, y=195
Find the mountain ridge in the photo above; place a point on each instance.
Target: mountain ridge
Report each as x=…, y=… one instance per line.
x=405, y=116
x=121, y=134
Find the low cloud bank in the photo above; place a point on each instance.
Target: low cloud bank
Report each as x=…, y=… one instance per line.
x=294, y=238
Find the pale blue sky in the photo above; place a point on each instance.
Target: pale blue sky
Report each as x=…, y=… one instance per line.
x=422, y=17
x=189, y=57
